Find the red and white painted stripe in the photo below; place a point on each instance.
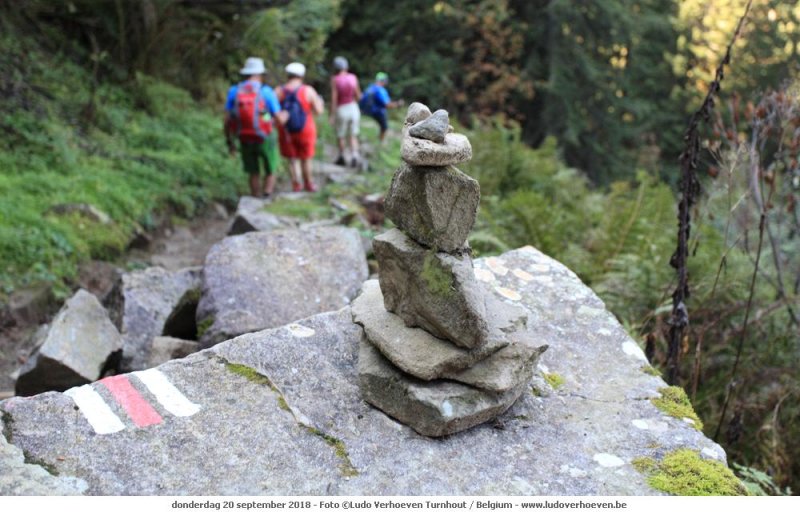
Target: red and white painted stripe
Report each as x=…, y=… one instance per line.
x=137, y=407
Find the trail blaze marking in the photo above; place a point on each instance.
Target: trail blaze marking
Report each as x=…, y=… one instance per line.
x=95, y=410
x=166, y=393
x=139, y=410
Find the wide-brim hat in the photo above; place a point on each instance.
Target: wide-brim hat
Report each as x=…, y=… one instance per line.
x=296, y=69
x=253, y=66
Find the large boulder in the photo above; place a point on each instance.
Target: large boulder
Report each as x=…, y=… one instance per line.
x=265, y=279
x=252, y=215
x=433, y=290
x=436, y=206
x=281, y=412
x=146, y=302
x=74, y=349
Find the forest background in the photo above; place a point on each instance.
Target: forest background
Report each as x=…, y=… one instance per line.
x=577, y=112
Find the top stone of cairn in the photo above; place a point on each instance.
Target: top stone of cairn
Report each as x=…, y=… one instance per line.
x=427, y=141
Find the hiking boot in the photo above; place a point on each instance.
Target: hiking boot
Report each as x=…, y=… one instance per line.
x=296, y=187
x=354, y=163
x=310, y=187
x=340, y=161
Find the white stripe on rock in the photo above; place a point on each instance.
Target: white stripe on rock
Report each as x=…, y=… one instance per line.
x=166, y=393
x=95, y=410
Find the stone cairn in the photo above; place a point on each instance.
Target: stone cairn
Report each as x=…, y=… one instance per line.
x=440, y=353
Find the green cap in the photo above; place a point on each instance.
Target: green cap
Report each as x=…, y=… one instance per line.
x=381, y=77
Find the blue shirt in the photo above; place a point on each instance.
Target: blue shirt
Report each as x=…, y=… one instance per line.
x=380, y=97
x=266, y=93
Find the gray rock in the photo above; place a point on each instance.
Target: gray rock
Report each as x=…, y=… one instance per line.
x=18, y=478
x=436, y=206
x=432, y=408
x=251, y=215
x=433, y=290
x=265, y=279
x=433, y=128
x=74, y=350
x=166, y=348
x=414, y=350
x=142, y=303
x=417, y=112
x=243, y=442
x=454, y=150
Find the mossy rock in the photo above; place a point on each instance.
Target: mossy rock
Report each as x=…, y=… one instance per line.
x=684, y=473
x=674, y=402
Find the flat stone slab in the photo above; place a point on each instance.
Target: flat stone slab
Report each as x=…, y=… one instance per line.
x=578, y=439
x=433, y=128
x=433, y=408
x=251, y=215
x=435, y=206
x=141, y=303
x=413, y=349
x=498, y=366
x=266, y=279
x=455, y=150
x=73, y=350
x=433, y=290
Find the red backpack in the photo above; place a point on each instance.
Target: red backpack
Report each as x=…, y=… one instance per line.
x=253, y=123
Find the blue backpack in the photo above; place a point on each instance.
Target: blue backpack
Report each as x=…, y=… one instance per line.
x=367, y=101
x=297, y=116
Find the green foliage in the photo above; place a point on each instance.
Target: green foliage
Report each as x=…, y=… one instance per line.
x=127, y=164
x=684, y=473
x=759, y=483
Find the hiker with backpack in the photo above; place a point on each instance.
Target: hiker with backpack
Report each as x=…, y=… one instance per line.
x=376, y=100
x=345, y=113
x=250, y=109
x=297, y=137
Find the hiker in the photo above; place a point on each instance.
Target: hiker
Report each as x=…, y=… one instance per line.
x=345, y=113
x=249, y=112
x=376, y=100
x=298, y=135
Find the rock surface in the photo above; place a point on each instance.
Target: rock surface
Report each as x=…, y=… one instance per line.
x=74, y=350
x=265, y=279
x=433, y=290
x=432, y=408
x=432, y=128
x=142, y=302
x=417, y=112
x=454, y=150
x=166, y=348
x=242, y=441
x=436, y=206
x=252, y=216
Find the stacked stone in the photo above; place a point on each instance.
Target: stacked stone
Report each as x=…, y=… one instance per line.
x=439, y=353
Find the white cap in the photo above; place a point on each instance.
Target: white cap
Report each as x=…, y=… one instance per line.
x=253, y=66
x=296, y=69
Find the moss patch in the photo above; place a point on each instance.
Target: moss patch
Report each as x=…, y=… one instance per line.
x=346, y=467
x=684, y=473
x=675, y=403
x=282, y=404
x=204, y=325
x=651, y=370
x=250, y=374
x=555, y=380
x=438, y=280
